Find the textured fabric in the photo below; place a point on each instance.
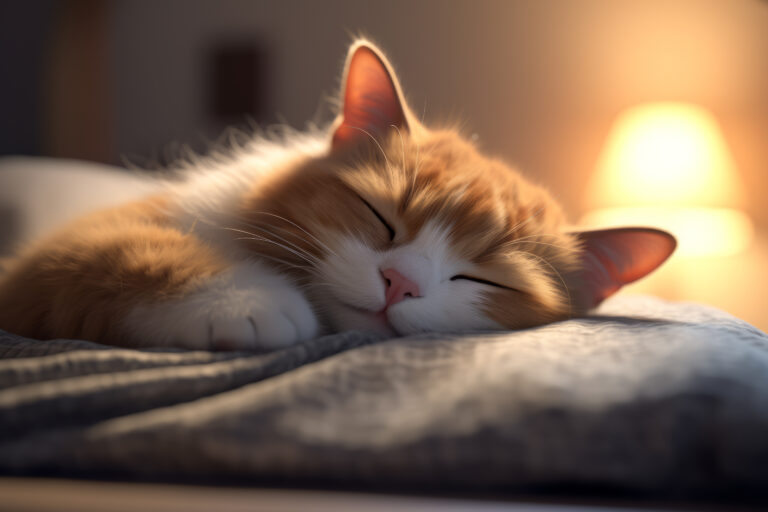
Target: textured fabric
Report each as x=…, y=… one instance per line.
x=646, y=395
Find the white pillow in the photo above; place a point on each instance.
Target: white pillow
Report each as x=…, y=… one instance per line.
x=38, y=194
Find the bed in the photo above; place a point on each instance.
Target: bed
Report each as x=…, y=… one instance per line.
x=645, y=398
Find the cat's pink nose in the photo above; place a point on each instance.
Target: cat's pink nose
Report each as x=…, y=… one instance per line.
x=398, y=287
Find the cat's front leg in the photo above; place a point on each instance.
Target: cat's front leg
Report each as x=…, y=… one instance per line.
x=248, y=307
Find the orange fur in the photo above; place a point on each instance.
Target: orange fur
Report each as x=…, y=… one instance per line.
x=383, y=180
x=80, y=281
x=502, y=223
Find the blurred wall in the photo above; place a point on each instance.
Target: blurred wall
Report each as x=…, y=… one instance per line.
x=24, y=27
x=538, y=81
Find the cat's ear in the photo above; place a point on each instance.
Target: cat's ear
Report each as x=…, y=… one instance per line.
x=612, y=258
x=372, y=102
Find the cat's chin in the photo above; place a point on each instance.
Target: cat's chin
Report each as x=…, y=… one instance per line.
x=348, y=318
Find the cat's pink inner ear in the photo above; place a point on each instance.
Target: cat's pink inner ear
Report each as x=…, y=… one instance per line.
x=612, y=258
x=371, y=99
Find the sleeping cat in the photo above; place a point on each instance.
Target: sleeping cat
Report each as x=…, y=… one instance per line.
x=378, y=223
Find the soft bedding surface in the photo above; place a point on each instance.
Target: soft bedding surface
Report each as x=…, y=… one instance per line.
x=647, y=396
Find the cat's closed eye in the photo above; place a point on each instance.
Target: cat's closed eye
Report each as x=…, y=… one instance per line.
x=462, y=277
x=381, y=218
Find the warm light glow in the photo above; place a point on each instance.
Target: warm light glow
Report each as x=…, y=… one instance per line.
x=699, y=231
x=666, y=154
x=667, y=165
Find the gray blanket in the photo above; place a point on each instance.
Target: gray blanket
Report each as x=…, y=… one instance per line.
x=646, y=396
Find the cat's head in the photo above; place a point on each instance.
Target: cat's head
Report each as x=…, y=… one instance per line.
x=401, y=228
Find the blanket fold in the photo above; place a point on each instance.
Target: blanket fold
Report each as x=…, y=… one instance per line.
x=646, y=395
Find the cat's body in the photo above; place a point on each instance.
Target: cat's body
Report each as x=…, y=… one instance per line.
x=378, y=224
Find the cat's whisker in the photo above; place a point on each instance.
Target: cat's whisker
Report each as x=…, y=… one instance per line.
x=523, y=242
x=526, y=240
x=411, y=189
x=551, y=235
x=283, y=262
x=313, y=244
x=299, y=255
x=526, y=220
x=265, y=230
x=417, y=166
x=253, y=236
x=403, y=171
x=377, y=144
x=402, y=143
x=313, y=237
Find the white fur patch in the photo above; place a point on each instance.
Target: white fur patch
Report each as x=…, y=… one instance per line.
x=207, y=199
x=353, y=289
x=250, y=307
x=348, y=293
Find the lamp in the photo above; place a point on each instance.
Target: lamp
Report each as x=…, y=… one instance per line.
x=666, y=164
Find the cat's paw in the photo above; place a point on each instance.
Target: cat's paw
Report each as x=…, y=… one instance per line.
x=260, y=319
x=248, y=308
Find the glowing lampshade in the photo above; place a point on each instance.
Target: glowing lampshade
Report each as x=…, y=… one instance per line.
x=667, y=165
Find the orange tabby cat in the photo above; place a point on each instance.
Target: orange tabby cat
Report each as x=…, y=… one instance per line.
x=380, y=224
